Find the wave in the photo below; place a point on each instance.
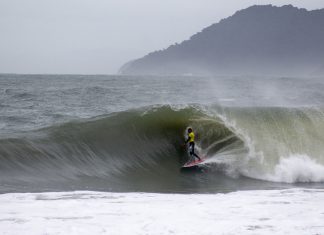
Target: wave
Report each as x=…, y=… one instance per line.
x=142, y=149
x=273, y=135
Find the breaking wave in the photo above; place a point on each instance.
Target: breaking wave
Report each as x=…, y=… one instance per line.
x=142, y=149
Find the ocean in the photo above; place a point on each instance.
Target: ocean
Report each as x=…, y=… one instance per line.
x=72, y=143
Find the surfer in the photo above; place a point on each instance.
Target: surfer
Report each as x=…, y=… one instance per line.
x=191, y=141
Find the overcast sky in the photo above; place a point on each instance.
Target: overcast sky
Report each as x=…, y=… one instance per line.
x=99, y=36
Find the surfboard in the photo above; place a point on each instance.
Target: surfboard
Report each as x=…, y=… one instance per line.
x=193, y=163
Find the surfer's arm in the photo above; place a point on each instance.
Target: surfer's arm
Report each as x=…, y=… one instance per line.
x=187, y=140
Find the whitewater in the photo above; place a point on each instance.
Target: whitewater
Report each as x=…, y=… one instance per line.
x=91, y=154
x=292, y=211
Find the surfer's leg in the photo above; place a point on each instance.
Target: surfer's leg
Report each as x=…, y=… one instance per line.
x=192, y=152
x=197, y=156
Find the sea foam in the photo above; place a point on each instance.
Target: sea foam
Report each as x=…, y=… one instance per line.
x=298, y=168
x=293, y=211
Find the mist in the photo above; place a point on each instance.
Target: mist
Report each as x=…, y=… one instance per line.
x=98, y=37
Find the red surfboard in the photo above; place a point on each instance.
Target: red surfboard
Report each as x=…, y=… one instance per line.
x=193, y=163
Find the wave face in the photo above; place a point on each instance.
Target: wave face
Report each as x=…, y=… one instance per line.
x=141, y=150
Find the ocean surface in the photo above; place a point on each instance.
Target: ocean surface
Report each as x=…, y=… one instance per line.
x=108, y=136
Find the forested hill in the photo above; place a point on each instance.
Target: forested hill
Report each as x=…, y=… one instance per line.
x=258, y=40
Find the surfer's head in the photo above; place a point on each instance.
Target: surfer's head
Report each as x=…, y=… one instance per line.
x=189, y=130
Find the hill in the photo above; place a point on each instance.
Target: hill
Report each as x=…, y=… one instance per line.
x=258, y=40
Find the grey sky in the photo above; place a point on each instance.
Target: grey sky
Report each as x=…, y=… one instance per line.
x=98, y=36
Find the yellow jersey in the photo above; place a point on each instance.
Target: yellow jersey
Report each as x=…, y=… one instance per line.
x=191, y=136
